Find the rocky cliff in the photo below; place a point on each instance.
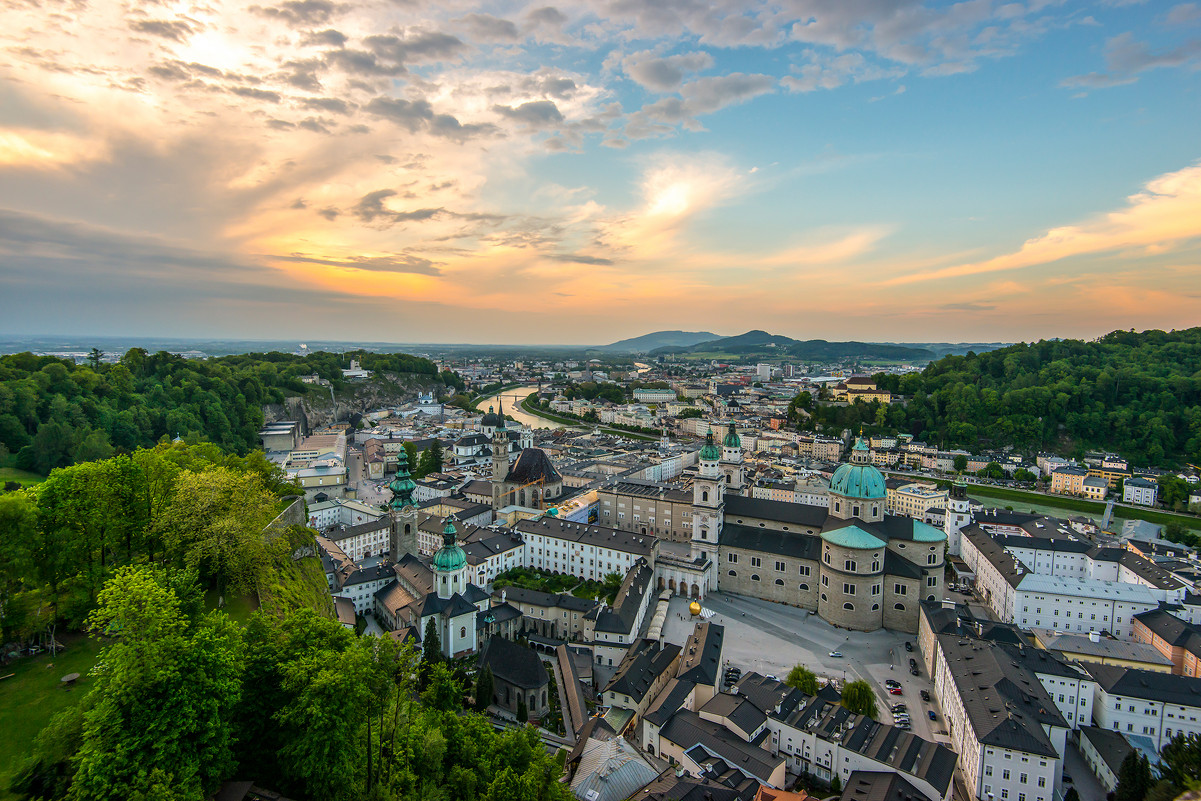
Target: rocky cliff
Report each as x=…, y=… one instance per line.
x=316, y=408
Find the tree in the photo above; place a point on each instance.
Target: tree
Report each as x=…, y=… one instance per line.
x=960, y=462
x=836, y=783
x=523, y=714
x=431, y=651
x=215, y=523
x=166, y=694
x=803, y=679
x=1072, y=795
x=485, y=685
x=1180, y=761
x=859, y=698
x=443, y=691
x=411, y=456
x=1134, y=778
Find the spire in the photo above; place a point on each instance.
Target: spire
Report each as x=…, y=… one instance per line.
x=449, y=534
x=402, y=485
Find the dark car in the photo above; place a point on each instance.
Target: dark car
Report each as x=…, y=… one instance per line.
x=925, y=695
x=912, y=662
x=908, y=645
x=932, y=715
x=914, y=672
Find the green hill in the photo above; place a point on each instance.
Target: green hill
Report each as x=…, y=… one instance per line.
x=659, y=339
x=761, y=343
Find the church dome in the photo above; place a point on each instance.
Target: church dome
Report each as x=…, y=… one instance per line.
x=710, y=452
x=732, y=440
x=858, y=481
x=450, y=557
x=492, y=419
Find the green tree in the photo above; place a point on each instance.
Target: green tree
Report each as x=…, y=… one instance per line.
x=18, y=522
x=164, y=698
x=960, y=462
x=484, y=688
x=431, y=651
x=443, y=691
x=215, y=523
x=859, y=698
x=836, y=783
x=523, y=714
x=803, y=679
x=1134, y=778
x=1180, y=761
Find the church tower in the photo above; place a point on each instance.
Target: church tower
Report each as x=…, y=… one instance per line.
x=500, y=468
x=449, y=564
x=708, y=502
x=958, y=515
x=731, y=460
x=402, y=539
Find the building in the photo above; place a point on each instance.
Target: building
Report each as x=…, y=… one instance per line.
x=915, y=500
x=1143, y=703
x=1068, y=480
x=518, y=676
x=1175, y=640
x=1140, y=491
x=1092, y=647
x=654, y=395
x=1008, y=732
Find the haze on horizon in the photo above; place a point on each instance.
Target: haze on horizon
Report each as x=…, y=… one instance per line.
x=594, y=170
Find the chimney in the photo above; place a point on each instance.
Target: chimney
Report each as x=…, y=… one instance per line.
x=1094, y=636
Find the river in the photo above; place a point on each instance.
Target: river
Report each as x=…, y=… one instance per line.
x=512, y=397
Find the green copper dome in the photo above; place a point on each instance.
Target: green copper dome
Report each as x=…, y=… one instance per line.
x=732, y=440
x=710, y=452
x=858, y=481
x=450, y=557
x=924, y=532
x=853, y=537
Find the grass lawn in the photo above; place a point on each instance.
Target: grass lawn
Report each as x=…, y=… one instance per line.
x=1093, y=508
x=35, y=694
x=22, y=477
x=240, y=608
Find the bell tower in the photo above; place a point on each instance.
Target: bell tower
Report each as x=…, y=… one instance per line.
x=402, y=539
x=708, y=502
x=959, y=514
x=731, y=460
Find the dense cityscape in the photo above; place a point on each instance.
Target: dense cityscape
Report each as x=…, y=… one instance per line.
x=600, y=400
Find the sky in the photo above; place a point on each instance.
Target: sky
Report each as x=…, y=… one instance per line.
x=582, y=172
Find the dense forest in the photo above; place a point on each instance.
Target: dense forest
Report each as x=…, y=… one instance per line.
x=1138, y=394
x=54, y=413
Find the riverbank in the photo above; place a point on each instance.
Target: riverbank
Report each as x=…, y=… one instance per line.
x=572, y=422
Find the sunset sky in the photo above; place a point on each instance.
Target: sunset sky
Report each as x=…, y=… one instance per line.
x=450, y=171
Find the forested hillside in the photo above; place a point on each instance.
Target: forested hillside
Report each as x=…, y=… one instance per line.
x=54, y=413
x=1138, y=394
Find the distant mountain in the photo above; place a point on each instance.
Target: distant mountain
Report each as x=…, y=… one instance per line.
x=940, y=349
x=765, y=344
x=659, y=339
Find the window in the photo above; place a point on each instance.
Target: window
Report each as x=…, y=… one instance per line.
x=849, y=565
x=826, y=557
x=734, y=573
x=756, y=561
x=899, y=607
x=931, y=581
x=850, y=607
x=732, y=557
x=875, y=589
x=803, y=587
x=988, y=770
x=462, y=631
x=1022, y=777
x=781, y=567
x=825, y=581
x=754, y=577
x=824, y=598
x=780, y=582
x=804, y=570
x=932, y=559
x=848, y=589
x=900, y=589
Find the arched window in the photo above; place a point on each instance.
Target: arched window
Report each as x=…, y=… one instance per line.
x=408, y=528
x=462, y=632
x=837, y=506
x=929, y=597
x=900, y=607
x=803, y=587
x=875, y=607
x=780, y=582
x=734, y=573
x=823, y=596
x=754, y=577
x=850, y=607
x=705, y=495
x=875, y=510
x=855, y=510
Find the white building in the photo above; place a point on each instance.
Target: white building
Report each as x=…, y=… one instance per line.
x=1140, y=491
x=654, y=395
x=364, y=540
x=340, y=512
x=1146, y=703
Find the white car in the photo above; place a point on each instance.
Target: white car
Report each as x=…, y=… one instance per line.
x=836, y=654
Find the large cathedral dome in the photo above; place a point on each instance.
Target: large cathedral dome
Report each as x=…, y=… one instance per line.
x=858, y=481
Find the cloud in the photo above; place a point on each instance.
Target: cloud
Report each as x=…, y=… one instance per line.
x=1096, y=80
x=664, y=74
x=371, y=208
x=412, y=114
x=1166, y=214
x=389, y=264
x=702, y=96
x=326, y=37
x=335, y=105
x=1126, y=57
x=423, y=46
x=536, y=113
x=1183, y=14
x=487, y=28
x=175, y=29
x=968, y=307
x=580, y=258
x=301, y=12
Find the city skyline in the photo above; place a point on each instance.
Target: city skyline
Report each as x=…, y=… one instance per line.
x=589, y=171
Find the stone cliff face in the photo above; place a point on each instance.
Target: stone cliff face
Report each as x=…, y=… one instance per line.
x=316, y=409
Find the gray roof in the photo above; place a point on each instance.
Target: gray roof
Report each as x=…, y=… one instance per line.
x=620, y=618
x=1148, y=685
x=342, y=533
x=794, y=544
x=641, y=667
x=533, y=465
x=738, y=709
x=1005, y=702
x=701, y=660
x=599, y=536
x=1112, y=747
x=560, y=600
x=799, y=514
x=864, y=785
x=687, y=729
x=514, y=664
x=669, y=701
x=610, y=770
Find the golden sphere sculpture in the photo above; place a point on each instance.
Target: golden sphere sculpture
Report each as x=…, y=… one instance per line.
x=694, y=608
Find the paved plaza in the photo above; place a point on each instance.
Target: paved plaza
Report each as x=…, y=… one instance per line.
x=771, y=638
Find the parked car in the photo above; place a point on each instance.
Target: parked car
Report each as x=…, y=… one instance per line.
x=836, y=654
x=914, y=672
x=1067, y=778
x=903, y=725
x=892, y=683
x=894, y=690
x=932, y=714
x=908, y=645
x=912, y=662
x=925, y=695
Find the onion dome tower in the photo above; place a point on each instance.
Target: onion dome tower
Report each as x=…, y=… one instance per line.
x=450, y=564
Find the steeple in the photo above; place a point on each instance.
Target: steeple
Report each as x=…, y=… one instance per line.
x=402, y=485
